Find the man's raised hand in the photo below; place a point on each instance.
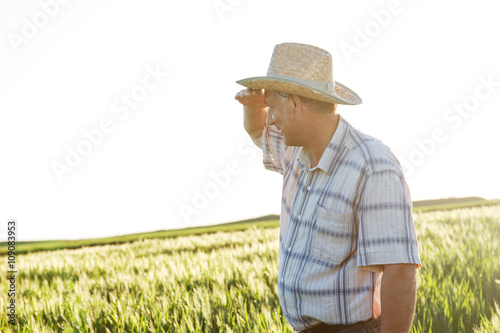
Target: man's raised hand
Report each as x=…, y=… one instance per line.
x=253, y=98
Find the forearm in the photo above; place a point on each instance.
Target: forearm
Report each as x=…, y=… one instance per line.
x=398, y=298
x=254, y=121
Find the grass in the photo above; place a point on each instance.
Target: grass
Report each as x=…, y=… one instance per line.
x=457, y=283
x=226, y=281
x=431, y=207
x=269, y=221
x=492, y=324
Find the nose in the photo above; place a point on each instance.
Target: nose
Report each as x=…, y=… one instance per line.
x=270, y=119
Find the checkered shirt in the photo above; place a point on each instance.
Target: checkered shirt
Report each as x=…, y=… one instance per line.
x=340, y=221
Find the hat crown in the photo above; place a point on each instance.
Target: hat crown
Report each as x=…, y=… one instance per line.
x=303, y=61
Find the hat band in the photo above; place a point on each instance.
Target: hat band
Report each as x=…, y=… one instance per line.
x=329, y=87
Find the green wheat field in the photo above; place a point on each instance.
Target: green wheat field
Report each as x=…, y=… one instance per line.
x=226, y=281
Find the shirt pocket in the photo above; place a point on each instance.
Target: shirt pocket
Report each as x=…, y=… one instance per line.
x=332, y=235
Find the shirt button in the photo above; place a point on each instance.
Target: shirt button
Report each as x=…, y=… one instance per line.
x=289, y=249
x=309, y=188
x=281, y=280
x=298, y=217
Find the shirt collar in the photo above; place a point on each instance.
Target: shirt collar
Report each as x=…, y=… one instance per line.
x=332, y=151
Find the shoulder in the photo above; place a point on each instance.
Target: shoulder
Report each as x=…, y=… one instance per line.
x=372, y=153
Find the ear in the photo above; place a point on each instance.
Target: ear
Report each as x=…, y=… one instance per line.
x=296, y=104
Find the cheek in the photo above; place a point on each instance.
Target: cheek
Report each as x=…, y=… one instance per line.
x=279, y=116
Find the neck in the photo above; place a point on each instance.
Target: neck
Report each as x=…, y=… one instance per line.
x=321, y=133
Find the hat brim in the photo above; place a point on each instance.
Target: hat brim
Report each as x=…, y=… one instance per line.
x=342, y=95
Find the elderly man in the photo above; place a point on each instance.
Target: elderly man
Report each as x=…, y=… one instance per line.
x=348, y=248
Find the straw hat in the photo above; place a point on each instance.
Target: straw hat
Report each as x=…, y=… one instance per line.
x=303, y=70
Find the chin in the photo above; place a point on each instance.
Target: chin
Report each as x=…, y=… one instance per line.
x=289, y=142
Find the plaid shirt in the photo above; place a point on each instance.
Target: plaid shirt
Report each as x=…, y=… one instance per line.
x=340, y=221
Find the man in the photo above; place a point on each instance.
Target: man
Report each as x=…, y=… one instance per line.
x=346, y=214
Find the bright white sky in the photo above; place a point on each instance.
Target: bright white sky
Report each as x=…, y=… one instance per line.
x=71, y=70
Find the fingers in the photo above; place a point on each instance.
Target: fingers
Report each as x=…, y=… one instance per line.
x=253, y=98
x=248, y=92
x=257, y=92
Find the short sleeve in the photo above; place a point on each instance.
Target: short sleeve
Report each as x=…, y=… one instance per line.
x=386, y=229
x=273, y=148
